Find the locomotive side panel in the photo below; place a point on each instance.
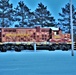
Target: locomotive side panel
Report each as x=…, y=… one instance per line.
x=7, y=34
x=25, y=34
x=33, y=35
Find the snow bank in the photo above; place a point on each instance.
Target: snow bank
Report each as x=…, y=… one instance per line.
x=37, y=63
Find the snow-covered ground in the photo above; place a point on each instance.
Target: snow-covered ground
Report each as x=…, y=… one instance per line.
x=37, y=63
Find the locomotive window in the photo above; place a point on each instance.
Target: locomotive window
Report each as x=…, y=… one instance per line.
x=57, y=32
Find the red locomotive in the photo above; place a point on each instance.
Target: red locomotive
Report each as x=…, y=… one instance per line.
x=23, y=38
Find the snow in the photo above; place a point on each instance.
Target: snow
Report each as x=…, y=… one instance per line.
x=53, y=28
x=37, y=63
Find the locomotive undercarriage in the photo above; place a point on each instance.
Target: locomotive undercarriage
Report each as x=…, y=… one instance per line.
x=50, y=47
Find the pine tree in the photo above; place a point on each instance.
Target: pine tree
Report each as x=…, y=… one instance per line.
x=22, y=15
x=6, y=13
x=43, y=16
x=64, y=21
x=31, y=18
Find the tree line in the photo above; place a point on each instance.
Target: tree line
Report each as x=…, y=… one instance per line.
x=21, y=16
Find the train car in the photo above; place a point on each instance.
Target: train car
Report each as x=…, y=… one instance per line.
x=24, y=38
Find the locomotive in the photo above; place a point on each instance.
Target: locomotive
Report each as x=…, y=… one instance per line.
x=50, y=38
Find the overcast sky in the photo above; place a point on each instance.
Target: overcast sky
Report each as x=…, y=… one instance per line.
x=54, y=6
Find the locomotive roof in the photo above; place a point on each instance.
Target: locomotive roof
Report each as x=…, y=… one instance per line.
x=18, y=28
x=53, y=28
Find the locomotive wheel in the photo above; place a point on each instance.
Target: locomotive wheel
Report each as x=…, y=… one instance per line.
x=25, y=47
x=65, y=48
x=51, y=48
x=58, y=48
x=31, y=47
x=3, y=49
x=17, y=49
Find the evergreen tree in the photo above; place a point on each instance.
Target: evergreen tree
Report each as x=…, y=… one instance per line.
x=22, y=15
x=31, y=18
x=64, y=21
x=6, y=13
x=43, y=16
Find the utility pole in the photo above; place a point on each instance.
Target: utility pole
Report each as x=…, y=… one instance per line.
x=71, y=24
